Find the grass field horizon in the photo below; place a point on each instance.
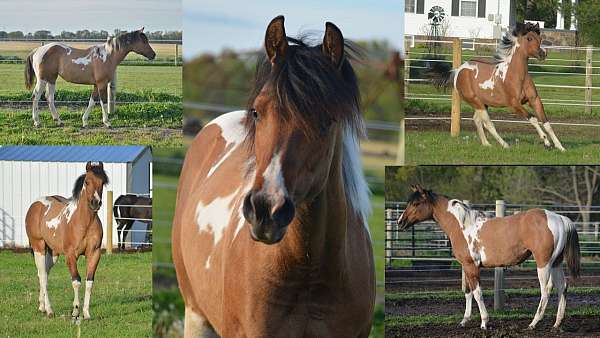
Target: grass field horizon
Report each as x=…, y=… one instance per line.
x=121, y=302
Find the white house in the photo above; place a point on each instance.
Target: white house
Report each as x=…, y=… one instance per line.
x=461, y=18
x=29, y=172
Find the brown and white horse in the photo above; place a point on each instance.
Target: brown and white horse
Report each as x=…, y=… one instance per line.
x=56, y=225
x=95, y=66
x=503, y=241
x=270, y=235
x=502, y=82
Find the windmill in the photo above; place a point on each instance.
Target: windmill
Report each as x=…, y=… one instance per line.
x=435, y=16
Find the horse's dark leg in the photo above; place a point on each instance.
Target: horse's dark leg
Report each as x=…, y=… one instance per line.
x=128, y=225
x=112, y=91
x=71, y=258
x=149, y=234
x=93, y=98
x=92, y=257
x=119, y=234
x=103, y=91
x=472, y=275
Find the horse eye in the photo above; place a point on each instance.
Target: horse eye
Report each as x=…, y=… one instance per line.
x=529, y=38
x=254, y=114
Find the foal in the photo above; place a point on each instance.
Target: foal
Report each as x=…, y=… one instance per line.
x=56, y=225
x=95, y=66
x=270, y=235
x=503, y=241
x=503, y=82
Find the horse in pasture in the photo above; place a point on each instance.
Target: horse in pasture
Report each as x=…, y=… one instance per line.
x=479, y=242
x=95, y=66
x=270, y=234
x=125, y=211
x=56, y=225
x=501, y=82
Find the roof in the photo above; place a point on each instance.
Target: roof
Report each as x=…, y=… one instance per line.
x=111, y=154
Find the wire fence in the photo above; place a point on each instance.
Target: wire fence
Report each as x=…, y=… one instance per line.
x=146, y=232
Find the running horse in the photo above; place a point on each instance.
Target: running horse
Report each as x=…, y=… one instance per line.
x=479, y=242
x=270, y=234
x=95, y=66
x=56, y=225
x=501, y=82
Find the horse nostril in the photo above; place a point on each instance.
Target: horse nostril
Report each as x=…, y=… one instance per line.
x=284, y=214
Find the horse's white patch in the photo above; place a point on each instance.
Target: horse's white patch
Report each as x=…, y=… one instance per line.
x=559, y=226
x=101, y=52
x=470, y=221
x=96, y=196
x=232, y=126
x=223, y=158
x=47, y=203
x=54, y=222
x=214, y=217
x=466, y=65
x=487, y=84
x=355, y=185
x=38, y=54
x=274, y=185
x=85, y=60
x=207, y=265
x=70, y=210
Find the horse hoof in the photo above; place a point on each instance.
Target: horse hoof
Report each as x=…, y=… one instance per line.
x=50, y=314
x=531, y=327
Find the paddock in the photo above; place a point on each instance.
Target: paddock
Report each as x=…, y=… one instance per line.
x=30, y=172
x=423, y=281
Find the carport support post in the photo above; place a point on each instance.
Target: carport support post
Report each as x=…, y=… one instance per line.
x=455, y=114
x=588, y=79
x=109, y=221
x=499, y=272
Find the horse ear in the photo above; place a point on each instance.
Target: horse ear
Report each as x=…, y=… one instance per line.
x=101, y=165
x=275, y=40
x=333, y=44
x=413, y=188
x=419, y=188
x=141, y=29
x=88, y=166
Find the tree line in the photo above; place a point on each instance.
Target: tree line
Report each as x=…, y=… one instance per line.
x=84, y=34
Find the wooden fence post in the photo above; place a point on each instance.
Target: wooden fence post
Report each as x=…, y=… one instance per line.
x=388, y=237
x=176, y=53
x=400, y=154
x=499, y=272
x=455, y=114
x=588, y=79
x=109, y=222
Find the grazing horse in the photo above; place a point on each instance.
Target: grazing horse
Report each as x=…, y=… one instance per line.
x=270, y=234
x=125, y=210
x=95, y=66
x=502, y=241
x=501, y=82
x=56, y=225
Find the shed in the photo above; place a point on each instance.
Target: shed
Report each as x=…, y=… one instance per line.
x=30, y=172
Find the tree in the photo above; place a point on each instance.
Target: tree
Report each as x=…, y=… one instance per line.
x=16, y=35
x=588, y=25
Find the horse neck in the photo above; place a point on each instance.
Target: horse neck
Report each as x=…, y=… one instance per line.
x=518, y=64
x=445, y=219
x=118, y=55
x=83, y=211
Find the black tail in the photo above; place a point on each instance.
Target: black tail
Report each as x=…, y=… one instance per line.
x=29, y=73
x=440, y=74
x=572, y=254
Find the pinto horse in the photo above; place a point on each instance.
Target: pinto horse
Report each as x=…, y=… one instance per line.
x=56, y=225
x=502, y=241
x=501, y=82
x=95, y=66
x=270, y=234
x=127, y=207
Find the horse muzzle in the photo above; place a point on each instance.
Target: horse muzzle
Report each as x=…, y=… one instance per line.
x=151, y=56
x=541, y=54
x=95, y=205
x=268, y=223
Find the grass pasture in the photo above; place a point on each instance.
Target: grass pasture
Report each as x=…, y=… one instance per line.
x=150, y=112
x=168, y=305
x=120, y=304
x=429, y=142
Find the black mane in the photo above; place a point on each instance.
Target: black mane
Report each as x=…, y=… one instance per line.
x=521, y=29
x=125, y=39
x=98, y=172
x=416, y=196
x=308, y=89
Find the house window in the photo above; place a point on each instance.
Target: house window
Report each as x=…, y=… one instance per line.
x=409, y=6
x=468, y=8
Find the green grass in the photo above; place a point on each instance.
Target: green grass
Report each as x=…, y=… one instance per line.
x=120, y=304
x=435, y=147
x=168, y=305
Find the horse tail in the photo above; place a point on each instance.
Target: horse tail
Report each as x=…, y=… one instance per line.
x=571, y=250
x=29, y=72
x=440, y=74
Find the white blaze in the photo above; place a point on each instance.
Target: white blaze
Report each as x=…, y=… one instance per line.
x=274, y=185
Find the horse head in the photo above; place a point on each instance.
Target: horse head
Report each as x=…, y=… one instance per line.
x=529, y=37
x=419, y=207
x=303, y=96
x=140, y=45
x=93, y=183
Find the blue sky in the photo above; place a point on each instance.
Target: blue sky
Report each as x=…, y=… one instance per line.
x=72, y=15
x=211, y=25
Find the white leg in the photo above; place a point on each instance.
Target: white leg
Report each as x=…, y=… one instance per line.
x=42, y=267
x=86, y=114
x=489, y=125
x=105, y=114
x=550, y=132
x=477, y=118
x=469, y=305
x=545, y=289
x=558, y=278
x=51, y=88
x=86, y=299
x=479, y=299
x=76, y=284
x=37, y=94
x=196, y=325
x=534, y=122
